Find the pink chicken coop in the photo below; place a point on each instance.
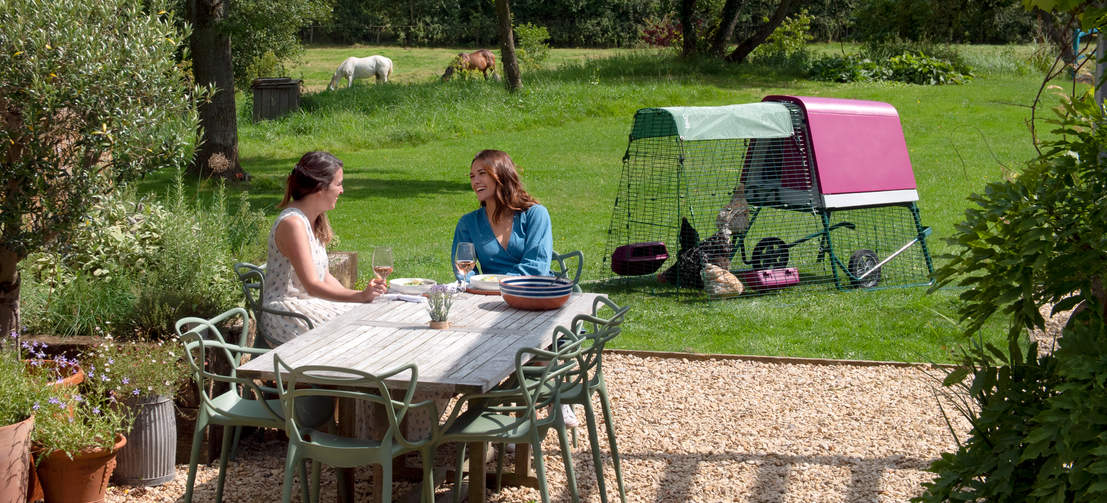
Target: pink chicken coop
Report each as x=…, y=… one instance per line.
x=793, y=191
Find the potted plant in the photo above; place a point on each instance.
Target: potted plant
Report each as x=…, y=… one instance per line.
x=439, y=300
x=77, y=434
x=145, y=377
x=19, y=394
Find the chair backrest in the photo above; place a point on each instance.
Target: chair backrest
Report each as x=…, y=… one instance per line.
x=595, y=332
x=562, y=270
x=213, y=361
x=310, y=382
x=252, y=280
x=560, y=371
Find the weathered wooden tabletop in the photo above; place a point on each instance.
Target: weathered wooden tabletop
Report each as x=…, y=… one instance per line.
x=474, y=354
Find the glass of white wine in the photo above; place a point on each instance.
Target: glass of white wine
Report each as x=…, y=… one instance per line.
x=465, y=259
x=382, y=262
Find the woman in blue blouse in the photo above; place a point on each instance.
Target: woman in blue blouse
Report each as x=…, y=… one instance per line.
x=510, y=231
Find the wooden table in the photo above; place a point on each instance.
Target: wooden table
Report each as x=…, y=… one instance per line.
x=473, y=355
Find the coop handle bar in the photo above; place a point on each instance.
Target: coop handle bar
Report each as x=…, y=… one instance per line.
x=926, y=231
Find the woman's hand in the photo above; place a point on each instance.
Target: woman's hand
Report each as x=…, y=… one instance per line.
x=374, y=289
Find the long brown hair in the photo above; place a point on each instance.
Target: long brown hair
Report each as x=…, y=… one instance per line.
x=314, y=172
x=510, y=195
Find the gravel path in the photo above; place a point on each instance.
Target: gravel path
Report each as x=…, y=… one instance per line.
x=705, y=430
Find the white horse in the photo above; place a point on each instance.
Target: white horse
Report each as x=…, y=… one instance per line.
x=359, y=68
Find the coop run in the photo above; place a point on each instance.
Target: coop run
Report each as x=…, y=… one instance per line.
x=792, y=192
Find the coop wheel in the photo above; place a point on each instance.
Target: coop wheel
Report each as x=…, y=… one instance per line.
x=770, y=253
x=859, y=263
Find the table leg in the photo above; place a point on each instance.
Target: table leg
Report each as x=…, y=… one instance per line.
x=476, y=472
x=522, y=460
x=347, y=426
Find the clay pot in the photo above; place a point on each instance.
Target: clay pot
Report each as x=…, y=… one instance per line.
x=438, y=325
x=83, y=479
x=15, y=460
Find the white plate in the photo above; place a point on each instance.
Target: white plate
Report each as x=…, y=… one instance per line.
x=410, y=286
x=487, y=282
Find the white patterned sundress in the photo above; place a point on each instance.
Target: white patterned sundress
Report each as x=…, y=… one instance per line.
x=284, y=291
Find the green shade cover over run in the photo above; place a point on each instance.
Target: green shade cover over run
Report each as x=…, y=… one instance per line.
x=750, y=120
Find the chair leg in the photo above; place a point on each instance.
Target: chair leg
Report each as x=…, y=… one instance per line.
x=194, y=456
x=386, y=481
x=567, y=457
x=500, y=466
x=290, y=461
x=606, y=404
x=460, y=473
x=539, y=467
x=594, y=445
x=224, y=453
x=316, y=468
x=428, y=476
x=237, y=437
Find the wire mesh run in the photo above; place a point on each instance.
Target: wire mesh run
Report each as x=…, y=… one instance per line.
x=744, y=216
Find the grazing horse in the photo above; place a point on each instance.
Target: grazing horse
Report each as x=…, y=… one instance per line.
x=359, y=68
x=481, y=60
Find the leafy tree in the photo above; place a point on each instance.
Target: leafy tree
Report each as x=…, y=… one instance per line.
x=90, y=99
x=724, y=28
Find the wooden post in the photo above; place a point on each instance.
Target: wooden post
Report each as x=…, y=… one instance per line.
x=344, y=267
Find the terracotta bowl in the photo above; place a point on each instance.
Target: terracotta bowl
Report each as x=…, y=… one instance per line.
x=534, y=303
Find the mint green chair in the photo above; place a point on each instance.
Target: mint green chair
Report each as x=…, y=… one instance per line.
x=252, y=280
x=510, y=415
x=307, y=442
x=244, y=404
x=595, y=332
x=562, y=270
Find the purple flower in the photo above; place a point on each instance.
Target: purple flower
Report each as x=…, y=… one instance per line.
x=35, y=406
x=135, y=392
x=78, y=398
x=54, y=401
x=96, y=410
x=126, y=380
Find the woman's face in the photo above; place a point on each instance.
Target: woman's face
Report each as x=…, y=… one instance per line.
x=484, y=186
x=331, y=192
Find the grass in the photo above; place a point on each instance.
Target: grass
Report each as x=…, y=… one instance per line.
x=407, y=147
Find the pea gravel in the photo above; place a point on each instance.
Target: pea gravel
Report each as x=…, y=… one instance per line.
x=700, y=430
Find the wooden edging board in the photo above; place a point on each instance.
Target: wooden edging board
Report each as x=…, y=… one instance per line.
x=792, y=360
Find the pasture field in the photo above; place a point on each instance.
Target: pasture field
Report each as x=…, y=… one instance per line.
x=407, y=147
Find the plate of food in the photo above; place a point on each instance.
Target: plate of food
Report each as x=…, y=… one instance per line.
x=410, y=286
x=486, y=282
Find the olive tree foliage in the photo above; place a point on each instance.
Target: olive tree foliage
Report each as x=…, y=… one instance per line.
x=91, y=97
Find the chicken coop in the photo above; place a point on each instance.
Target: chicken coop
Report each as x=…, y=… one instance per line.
x=790, y=192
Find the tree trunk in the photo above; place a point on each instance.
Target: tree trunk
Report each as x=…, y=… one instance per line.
x=507, y=46
x=747, y=46
x=687, y=28
x=725, y=31
x=211, y=65
x=9, y=292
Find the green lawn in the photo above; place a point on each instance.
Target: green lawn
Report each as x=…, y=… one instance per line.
x=407, y=147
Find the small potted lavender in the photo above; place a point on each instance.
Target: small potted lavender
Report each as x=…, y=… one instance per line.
x=439, y=300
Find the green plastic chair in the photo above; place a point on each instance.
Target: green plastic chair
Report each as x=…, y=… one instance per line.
x=595, y=332
x=204, y=347
x=306, y=442
x=509, y=415
x=252, y=280
x=562, y=270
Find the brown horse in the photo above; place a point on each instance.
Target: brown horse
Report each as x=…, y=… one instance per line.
x=481, y=60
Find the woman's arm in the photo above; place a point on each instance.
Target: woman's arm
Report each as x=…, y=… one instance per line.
x=537, y=233
x=291, y=240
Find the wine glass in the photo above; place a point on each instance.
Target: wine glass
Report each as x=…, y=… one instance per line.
x=465, y=259
x=382, y=262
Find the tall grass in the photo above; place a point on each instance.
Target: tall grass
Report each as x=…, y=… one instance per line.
x=407, y=146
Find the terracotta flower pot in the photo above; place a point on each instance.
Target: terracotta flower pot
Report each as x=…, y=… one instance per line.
x=15, y=466
x=438, y=325
x=83, y=479
x=68, y=376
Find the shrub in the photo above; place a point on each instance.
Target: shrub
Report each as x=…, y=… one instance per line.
x=531, y=47
x=895, y=60
x=787, y=46
x=664, y=32
x=138, y=265
x=1039, y=424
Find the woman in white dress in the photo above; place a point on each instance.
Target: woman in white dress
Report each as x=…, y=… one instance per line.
x=297, y=278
